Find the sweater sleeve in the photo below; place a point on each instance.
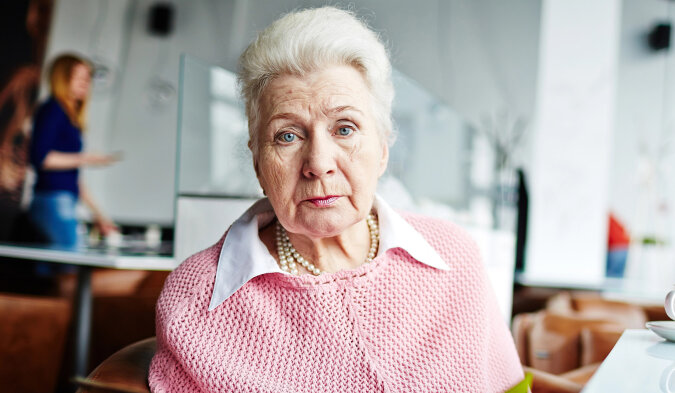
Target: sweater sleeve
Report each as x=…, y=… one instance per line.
x=501, y=357
x=46, y=128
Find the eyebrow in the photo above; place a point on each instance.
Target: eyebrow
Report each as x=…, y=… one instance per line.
x=336, y=110
x=283, y=115
x=344, y=108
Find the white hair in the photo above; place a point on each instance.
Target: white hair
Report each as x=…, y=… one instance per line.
x=305, y=41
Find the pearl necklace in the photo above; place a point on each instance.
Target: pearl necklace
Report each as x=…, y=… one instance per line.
x=288, y=256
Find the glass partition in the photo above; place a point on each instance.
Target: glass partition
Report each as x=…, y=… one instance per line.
x=213, y=159
x=430, y=155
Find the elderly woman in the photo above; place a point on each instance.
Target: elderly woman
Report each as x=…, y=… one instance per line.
x=322, y=287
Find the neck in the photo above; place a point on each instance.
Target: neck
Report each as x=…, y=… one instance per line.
x=347, y=250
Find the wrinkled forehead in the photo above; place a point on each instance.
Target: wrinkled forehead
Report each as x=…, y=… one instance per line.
x=323, y=91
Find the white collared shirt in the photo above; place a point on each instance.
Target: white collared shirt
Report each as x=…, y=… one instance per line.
x=244, y=256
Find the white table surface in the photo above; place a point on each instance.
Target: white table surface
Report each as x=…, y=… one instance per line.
x=108, y=258
x=641, y=362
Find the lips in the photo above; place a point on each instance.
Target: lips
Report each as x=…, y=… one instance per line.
x=323, y=201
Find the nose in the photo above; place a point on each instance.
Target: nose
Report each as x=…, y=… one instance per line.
x=319, y=157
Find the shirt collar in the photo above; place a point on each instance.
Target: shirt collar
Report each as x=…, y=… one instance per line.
x=244, y=256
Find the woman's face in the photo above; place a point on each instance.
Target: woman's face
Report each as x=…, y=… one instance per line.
x=80, y=81
x=319, y=152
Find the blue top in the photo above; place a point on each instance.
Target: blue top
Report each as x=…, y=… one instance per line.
x=53, y=130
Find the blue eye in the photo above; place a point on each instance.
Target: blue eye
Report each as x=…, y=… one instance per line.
x=345, y=131
x=288, y=137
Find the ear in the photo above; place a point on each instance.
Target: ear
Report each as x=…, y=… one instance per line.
x=384, y=160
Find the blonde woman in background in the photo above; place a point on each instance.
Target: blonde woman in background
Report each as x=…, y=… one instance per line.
x=56, y=154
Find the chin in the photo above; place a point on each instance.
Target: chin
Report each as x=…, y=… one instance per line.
x=328, y=224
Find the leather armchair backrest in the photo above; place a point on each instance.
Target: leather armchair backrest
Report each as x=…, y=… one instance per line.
x=126, y=371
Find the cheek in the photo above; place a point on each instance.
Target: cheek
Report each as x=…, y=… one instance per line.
x=274, y=175
x=365, y=163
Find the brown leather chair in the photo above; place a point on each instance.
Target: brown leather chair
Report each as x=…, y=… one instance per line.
x=564, y=344
x=126, y=371
x=554, y=342
x=33, y=333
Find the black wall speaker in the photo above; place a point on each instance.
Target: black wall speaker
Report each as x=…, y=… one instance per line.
x=160, y=19
x=659, y=37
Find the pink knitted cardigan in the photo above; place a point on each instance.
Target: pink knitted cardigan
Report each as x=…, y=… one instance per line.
x=394, y=325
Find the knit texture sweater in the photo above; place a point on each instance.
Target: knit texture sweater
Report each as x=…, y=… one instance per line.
x=394, y=325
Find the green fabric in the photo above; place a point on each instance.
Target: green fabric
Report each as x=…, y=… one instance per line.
x=522, y=386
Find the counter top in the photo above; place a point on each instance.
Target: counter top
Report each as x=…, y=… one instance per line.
x=641, y=361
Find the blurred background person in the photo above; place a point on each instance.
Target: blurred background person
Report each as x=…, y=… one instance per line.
x=56, y=155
